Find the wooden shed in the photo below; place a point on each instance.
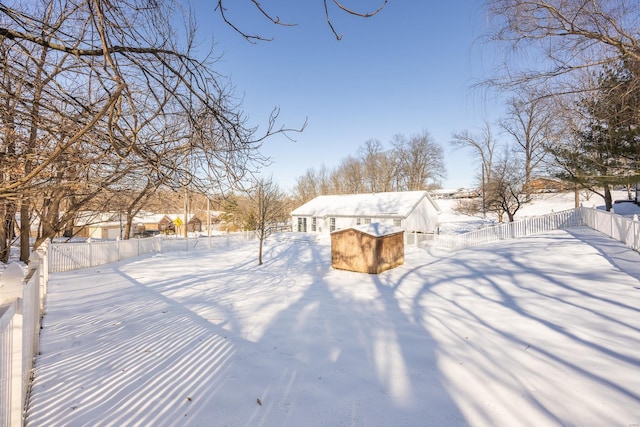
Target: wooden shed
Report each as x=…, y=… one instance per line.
x=370, y=248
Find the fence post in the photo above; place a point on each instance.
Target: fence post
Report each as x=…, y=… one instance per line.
x=635, y=232
x=611, y=213
x=43, y=252
x=90, y=252
x=35, y=263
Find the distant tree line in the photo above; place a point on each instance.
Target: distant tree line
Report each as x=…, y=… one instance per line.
x=409, y=163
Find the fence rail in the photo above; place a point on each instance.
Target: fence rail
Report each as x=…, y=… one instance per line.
x=73, y=256
x=625, y=230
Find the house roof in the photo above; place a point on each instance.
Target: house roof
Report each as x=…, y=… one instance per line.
x=149, y=218
x=106, y=219
x=392, y=204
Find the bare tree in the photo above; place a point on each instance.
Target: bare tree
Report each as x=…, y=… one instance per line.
x=348, y=178
x=272, y=17
x=370, y=154
x=505, y=192
x=305, y=188
x=531, y=122
x=420, y=161
x=563, y=37
x=381, y=167
x=98, y=83
x=266, y=210
x=484, y=146
x=324, y=180
x=414, y=163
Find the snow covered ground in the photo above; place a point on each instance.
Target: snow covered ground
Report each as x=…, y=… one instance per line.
x=539, y=331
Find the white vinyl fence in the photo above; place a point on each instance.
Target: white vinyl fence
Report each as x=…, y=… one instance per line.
x=623, y=229
x=19, y=336
x=73, y=256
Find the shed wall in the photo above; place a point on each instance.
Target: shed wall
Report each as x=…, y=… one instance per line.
x=390, y=252
x=356, y=251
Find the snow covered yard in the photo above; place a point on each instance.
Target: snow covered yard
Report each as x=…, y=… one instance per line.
x=533, y=332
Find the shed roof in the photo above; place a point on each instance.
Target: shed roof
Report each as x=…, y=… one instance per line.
x=374, y=229
x=391, y=204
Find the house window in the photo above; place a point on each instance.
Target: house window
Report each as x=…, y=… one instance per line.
x=358, y=221
x=313, y=224
x=397, y=222
x=332, y=224
x=367, y=220
x=302, y=225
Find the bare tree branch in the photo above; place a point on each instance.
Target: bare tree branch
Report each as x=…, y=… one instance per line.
x=275, y=19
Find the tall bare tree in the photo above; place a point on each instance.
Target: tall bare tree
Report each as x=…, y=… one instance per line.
x=505, y=191
x=97, y=82
x=483, y=145
x=265, y=211
x=348, y=178
x=531, y=122
x=562, y=38
x=420, y=161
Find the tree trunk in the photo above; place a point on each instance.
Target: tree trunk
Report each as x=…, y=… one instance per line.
x=25, y=230
x=608, y=202
x=7, y=231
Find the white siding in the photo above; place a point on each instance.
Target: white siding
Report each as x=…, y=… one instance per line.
x=424, y=218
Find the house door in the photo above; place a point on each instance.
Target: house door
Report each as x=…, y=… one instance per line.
x=302, y=225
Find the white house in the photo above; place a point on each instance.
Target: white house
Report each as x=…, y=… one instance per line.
x=413, y=211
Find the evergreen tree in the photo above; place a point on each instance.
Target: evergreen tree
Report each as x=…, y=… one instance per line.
x=605, y=149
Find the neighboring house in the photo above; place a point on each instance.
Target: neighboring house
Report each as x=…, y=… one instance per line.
x=98, y=225
x=412, y=211
x=146, y=223
x=112, y=225
x=194, y=224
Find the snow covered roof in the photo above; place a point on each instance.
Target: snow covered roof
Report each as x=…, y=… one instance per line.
x=375, y=229
x=148, y=218
x=390, y=204
x=86, y=218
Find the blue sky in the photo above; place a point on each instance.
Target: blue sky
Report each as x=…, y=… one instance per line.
x=408, y=69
